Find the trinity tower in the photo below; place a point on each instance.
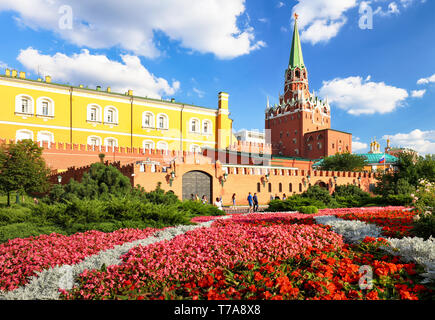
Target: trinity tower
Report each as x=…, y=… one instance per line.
x=300, y=126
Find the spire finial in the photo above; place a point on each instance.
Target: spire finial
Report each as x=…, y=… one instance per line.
x=296, y=16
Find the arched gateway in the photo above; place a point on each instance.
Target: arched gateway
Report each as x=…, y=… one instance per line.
x=197, y=182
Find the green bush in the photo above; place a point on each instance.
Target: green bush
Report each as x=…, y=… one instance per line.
x=308, y=209
x=24, y=230
x=318, y=193
x=293, y=203
x=197, y=208
x=349, y=190
x=424, y=227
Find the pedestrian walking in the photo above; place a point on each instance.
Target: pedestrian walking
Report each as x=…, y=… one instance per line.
x=255, y=199
x=284, y=196
x=234, y=200
x=250, y=202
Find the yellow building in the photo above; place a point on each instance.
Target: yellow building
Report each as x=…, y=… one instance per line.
x=46, y=111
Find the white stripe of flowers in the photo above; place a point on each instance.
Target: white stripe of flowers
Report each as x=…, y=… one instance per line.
x=411, y=249
x=46, y=284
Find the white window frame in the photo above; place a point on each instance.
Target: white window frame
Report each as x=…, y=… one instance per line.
x=209, y=128
x=94, y=137
x=195, y=146
x=23, y=131
x=39, y=107
x=152, y=144
x=198, y=125
x=107, y=109
x=151, y=124
x=166, y=121
x=106, y=141
x=18, y=104
x=98, y=115
x=159, y=145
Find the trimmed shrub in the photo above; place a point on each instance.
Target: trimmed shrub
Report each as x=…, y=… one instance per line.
x=25, y=229
x=308, y=209
x=318, y=193
x=424, y=227
x=293, y=203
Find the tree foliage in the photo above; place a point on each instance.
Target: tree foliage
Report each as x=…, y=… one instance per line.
x=22, y=168
x=343, y=162
x=406, y=179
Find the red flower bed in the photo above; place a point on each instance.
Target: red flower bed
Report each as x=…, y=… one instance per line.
x=20, y=259
x=329, y=273
x=394, y=223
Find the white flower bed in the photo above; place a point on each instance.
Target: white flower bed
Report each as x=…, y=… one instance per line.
x=352, y=231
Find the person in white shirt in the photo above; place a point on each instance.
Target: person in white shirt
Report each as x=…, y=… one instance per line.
x=218, y=203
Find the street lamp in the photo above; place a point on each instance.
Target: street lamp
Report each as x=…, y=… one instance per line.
x=59, y=179
x=308, y=177
x=335, y=179
x=224, y=178
x=171, y=178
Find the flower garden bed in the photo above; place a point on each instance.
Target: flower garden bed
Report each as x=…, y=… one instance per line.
x=247, y=256
x=20, y=259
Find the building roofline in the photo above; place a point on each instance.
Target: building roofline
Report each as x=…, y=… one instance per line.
x=101, y=92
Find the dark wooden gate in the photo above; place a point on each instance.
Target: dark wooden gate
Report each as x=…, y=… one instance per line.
x=197, y=182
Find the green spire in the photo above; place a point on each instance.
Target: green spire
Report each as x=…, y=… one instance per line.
x=296, y=58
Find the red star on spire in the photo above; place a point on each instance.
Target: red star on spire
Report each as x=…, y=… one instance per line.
x=296, y=16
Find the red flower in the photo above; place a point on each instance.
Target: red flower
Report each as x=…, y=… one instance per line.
x=258, y=276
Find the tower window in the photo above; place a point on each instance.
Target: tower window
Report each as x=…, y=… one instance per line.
x=297, y=74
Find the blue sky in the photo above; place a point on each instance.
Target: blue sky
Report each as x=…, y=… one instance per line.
x=379, y=81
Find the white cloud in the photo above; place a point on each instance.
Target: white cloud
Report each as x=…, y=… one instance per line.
x=280, y=4
x=263, y=20
x=421, y=141
x=321, y=20
x=418, y=93
x=205, y=26
x=358, y=146
x=427, y=80
x=92, y=70
x=199, y=92
x=358, y=96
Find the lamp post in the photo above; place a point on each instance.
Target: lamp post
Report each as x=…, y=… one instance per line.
x=359, y=182
x=171, y=178
x=335, y=180
x=224, y=178
x=59, y=179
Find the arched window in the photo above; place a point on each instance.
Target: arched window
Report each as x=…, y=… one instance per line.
x=300, y=187
x=280, y=187
x=148, y=144
x=94, y=113
x=206, y=127
x=23, y=104
x=148, y=119
x=270, y=187
x=195, y=148
x=45, y=107
x=110, y=115
x=94, y=141
x=23, y=134
x=162, y=145
x=111, y=142
x=162, y=121
x=258, y=187
x=45, y=136
x=290, y=187
x=194, y=125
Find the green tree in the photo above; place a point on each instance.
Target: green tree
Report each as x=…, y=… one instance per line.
x=99, y=181
x=22, y=168
x=343, y=162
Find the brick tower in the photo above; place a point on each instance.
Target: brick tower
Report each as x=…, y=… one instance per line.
x=300, y=124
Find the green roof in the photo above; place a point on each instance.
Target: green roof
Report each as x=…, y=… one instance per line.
x=372, y=158
x=296, y=58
